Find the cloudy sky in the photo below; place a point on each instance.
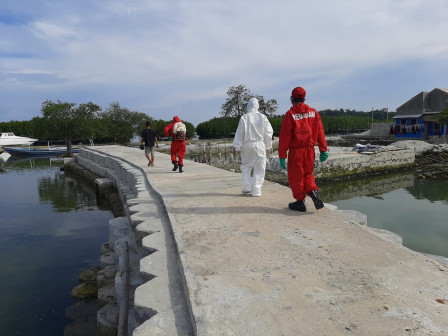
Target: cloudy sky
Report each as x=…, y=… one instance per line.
x=179, y=57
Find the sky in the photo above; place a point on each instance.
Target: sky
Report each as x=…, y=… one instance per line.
x=179, y=57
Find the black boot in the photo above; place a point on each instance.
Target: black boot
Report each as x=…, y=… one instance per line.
x=316, y=200
x=175, y=165
x=180, y=168
x=298, y=206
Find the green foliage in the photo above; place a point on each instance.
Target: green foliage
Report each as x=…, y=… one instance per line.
x=238, y=97
x=69, y=121
x=21, y=128
x=53, y=190
x=120, y=125
x=225, y=127
x=217, y=128
x=381, y=114
x=41, y=129
x=276, y=123
x=442, y=117
x=351, y=123
x=158, y=126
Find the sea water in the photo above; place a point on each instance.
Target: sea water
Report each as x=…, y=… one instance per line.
x=413, y=208
x=51, y=229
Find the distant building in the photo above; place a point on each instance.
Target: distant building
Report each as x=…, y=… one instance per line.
x=417, y=117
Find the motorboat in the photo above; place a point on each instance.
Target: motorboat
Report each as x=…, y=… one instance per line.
x=10, y=139
x=38, y=152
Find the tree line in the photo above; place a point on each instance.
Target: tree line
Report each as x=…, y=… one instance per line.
x=117, y=124
x=73, y=122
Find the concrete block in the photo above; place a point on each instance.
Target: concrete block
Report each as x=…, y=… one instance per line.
x=144, y=207
x=106, y=276
x=145, y=229
x=440, y=259
x=164, y=324
x=118, y=228
x=151, y=222
x=107, y=320
x=155, y=241
x=105, y=248
x=103, y=184
x=393, y=237
x=107, y=294
x=354, y=216
x=107, y=259
x=154, y=294
x=155, y=264
x=120, y=288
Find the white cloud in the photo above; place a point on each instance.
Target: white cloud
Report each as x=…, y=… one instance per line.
x=140, y=52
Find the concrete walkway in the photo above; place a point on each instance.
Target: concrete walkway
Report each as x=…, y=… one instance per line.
x=251, y=266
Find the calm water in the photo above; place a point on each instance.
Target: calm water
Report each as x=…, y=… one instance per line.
x=415, y=209
x=52, y=228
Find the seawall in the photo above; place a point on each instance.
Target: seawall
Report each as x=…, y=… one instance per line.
x=194, y=256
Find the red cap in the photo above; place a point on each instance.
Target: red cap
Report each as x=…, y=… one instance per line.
x=298, y=92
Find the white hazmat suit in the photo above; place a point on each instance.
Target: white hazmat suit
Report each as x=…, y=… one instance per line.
x=253, y=138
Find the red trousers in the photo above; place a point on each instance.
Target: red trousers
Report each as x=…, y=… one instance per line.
x=178, y=149
x=300, y=171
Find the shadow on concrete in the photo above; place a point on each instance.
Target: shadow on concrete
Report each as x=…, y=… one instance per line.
x=238, y=210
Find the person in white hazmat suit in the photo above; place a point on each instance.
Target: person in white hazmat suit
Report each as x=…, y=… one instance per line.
x=253, y=138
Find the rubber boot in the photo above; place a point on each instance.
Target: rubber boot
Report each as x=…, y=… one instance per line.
x=298, y=206
x=180, y=169
x=316, y=200
x=175, y=165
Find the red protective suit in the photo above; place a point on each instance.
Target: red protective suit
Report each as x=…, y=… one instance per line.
x=300, y=131
x=178, y=146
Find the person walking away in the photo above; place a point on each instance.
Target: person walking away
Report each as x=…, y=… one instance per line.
x=253, y=138
x=150, y=140
x=176, y=132
x=301, y=130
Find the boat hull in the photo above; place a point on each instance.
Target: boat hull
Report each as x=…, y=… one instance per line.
x=24, y=152
x=10, y=139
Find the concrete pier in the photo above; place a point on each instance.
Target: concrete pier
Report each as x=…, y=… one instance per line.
x=194, y=256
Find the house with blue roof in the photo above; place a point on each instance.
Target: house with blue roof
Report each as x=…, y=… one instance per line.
x=417, y=118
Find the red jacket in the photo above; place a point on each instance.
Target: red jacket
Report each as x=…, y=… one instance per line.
x=301, y=127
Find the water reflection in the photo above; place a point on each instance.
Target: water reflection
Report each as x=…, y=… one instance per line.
x=65, y=193
x=374, y=187
x=32, y=162
x=412, y=208
x=431, y=190
x=52, y=228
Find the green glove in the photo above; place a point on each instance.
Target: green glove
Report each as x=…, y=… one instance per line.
x=323, y=156
x=282, y=163
x=170, y=138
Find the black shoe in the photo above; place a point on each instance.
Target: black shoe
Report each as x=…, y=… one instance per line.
x=175, y=166
x=316, y=200
x=180, y=169
x=298, y=206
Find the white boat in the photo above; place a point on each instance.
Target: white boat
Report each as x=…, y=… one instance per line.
x=10, y=139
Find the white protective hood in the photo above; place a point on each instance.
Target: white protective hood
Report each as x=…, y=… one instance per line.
x=252, y=105
x=253, y=127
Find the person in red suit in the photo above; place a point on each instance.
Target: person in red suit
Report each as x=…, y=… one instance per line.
x=176, y=132
x=301, y=130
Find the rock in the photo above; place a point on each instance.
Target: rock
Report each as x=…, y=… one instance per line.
x=89, y=275
x=85, y=291
x=87, y=288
